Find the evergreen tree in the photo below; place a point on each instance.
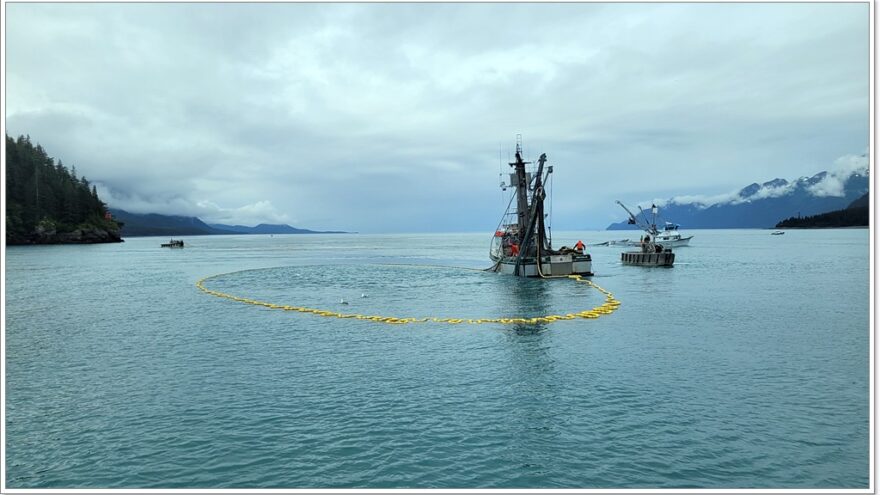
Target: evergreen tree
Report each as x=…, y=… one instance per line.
x=40, y=191
x=857, y=216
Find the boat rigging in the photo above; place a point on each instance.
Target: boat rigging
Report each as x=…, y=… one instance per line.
x=652, y=253
x=521, y=245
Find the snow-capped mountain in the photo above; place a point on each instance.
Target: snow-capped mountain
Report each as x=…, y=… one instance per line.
x=763, y=205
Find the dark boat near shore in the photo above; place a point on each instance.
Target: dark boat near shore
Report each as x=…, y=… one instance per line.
x=652, y=252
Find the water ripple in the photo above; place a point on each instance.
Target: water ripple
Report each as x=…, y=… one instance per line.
x=707, y=377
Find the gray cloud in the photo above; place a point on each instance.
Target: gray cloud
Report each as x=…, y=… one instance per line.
x=388, y=117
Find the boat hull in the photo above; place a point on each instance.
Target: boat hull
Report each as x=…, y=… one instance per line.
x=551, y=266
x=672, y=243
x=664, y=258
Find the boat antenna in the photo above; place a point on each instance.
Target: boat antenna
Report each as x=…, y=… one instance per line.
x=550, y=223
x=654, y=216
x=501, y=182
x=500, y=150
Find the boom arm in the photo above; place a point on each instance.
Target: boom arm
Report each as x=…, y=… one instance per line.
x=632, y=217
x=651, y=229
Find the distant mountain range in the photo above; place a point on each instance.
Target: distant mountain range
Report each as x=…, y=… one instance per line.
x=764, y=205
x=153, y=224
x=267, y=228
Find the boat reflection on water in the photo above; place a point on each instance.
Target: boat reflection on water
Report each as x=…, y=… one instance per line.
x=530, y=375
x=529, y=344
x=528, y=298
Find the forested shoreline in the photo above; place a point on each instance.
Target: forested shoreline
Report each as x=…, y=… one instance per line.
x=856, y=214
x=46, y=203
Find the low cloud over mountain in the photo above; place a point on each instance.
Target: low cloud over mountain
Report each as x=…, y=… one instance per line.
x=763, y=205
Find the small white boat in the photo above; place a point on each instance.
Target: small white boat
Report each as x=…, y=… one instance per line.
x=778, y=232
x=670, y=237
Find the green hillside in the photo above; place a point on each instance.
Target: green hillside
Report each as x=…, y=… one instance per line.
x=46, y=203
x=855, y=215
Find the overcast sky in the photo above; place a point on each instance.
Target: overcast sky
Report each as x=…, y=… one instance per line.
x=392, y=117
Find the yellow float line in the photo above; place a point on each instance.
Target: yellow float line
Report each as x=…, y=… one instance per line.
x=606, y=308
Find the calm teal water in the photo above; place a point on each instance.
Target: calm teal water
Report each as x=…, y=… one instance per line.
x=745, y=365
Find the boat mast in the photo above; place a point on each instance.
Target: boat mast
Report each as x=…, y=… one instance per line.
x=538, y=202
x=537, y=209
x=528, y=247
x=653, y=225
x=522, y=199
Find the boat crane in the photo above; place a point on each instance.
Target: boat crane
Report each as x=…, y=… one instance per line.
x=652, y=253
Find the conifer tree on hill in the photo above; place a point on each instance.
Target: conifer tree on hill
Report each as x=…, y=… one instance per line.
x=42, y=195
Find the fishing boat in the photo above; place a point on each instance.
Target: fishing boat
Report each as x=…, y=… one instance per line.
x=652, y=252
x=522, y=245
x=778, y=232
x=173, y=244
x=670, y=237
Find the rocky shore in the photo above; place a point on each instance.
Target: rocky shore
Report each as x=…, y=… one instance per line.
x=82, y=235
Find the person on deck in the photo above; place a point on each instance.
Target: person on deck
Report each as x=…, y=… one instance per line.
x=579, y=247
x=514, y=249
